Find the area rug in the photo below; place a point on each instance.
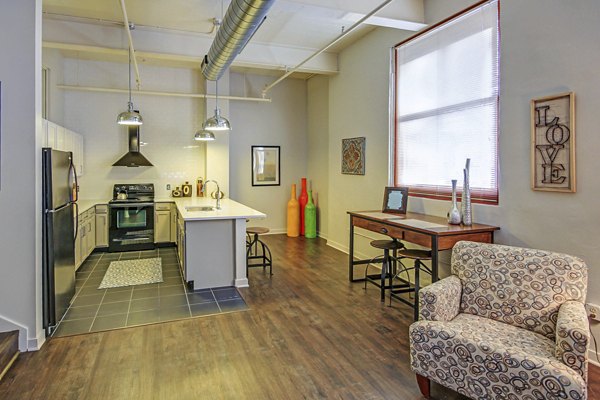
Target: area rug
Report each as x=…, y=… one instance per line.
x=132, y=272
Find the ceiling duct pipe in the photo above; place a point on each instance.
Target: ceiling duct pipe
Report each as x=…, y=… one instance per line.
x=241, y=21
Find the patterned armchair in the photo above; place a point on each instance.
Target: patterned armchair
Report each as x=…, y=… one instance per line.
x=509, y=323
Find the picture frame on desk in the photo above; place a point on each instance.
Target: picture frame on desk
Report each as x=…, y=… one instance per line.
x=395, y=200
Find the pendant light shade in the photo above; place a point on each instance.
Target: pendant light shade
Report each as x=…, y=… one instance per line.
x=217, y=122
x=204, y=136
x=130, y=117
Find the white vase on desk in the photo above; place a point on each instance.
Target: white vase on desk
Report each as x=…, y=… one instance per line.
x=454, y=213
x=465, y=204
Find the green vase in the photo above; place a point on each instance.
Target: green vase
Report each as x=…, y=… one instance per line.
x=310, y=218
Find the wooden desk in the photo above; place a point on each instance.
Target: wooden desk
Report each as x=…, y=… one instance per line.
x=425, y=230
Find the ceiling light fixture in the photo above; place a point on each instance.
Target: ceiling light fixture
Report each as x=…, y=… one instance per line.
x=217, y=122
x=204, y=136
x=130, y=117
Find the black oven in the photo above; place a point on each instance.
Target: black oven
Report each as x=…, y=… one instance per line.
x=131, y=226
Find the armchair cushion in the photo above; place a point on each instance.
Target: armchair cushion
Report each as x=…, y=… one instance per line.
x=518, y=286
x=572, y=336
x=484, y=358
x=441, y=300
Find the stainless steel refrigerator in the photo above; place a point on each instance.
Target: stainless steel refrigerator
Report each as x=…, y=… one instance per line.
x=59, y=231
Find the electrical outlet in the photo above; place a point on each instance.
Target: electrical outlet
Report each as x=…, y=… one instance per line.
x=593, y=311
x=168, y=186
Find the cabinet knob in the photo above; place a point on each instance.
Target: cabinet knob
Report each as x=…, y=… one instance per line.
x=384, y=230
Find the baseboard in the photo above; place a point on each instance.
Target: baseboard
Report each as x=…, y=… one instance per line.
x=276, y=231
x=6, y=325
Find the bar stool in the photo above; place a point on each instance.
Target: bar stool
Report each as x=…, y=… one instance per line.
x=252, y=249
x=418, y=256
x=388, y=267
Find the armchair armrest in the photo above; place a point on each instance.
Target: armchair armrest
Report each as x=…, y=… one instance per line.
x=440, y=301
x=572, y=336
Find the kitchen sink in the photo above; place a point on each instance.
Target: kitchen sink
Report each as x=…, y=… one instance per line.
x=200, y=208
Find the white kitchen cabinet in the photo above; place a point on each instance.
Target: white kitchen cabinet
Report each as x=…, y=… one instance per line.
x=181, y=243
x=173, y=223
x=102, y=225
x=162, y=222
x=78, y=259
x=90, y=239
x=60, y=138
x=51, y=133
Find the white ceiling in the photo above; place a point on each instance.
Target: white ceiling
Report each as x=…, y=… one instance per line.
x=299, y=23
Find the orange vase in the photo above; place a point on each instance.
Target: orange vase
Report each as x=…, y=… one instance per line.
x=303, y=199
x=293, y=215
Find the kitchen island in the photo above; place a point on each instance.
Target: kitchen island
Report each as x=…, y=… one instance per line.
x=212, y=243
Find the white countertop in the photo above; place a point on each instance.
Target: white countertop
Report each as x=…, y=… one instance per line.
x=229, y=209
x=85, y=205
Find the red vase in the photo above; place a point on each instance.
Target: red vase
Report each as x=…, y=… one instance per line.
x=302, y=199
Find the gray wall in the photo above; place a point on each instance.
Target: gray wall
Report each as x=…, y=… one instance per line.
x=20, y=251
x=279, y=123
x=318, y=147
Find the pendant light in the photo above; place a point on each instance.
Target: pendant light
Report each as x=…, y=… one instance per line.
x=217, y=122
x=130, y=117
x=204, y=136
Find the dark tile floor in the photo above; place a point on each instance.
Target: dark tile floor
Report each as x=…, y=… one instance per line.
x=94, y=309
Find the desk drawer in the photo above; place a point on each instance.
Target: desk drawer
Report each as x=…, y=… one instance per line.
x=378, y=227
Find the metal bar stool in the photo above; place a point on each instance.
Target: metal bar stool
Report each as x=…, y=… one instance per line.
x=418, y=256
x=252, y=249
x=388, y=267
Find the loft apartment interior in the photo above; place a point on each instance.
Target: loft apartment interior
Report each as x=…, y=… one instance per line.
x=294, y=199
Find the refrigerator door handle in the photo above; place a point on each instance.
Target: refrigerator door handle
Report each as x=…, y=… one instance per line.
x=74, y=190
x=76, y=220
x=58, y=209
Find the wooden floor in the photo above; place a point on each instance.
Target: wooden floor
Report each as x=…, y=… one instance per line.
x=309, y=334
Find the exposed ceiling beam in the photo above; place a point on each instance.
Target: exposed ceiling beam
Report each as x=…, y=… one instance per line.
x=158, y=93
x=387, y=22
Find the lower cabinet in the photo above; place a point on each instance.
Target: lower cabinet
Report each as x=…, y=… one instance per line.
x=102, y=225
x=162, y=222
x=181, y=242
x=85, y=241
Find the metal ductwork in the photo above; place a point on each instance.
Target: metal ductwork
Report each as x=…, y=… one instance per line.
x=241, y=21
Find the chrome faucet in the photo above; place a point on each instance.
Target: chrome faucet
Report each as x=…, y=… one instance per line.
x=218, y=195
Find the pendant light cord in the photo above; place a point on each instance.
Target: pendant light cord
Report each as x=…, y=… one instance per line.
x=130, y=103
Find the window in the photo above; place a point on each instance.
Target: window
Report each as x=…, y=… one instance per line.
x=446, y=103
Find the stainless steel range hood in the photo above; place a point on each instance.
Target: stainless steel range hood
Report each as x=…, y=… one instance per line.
x=133, y=158
x=241, y=21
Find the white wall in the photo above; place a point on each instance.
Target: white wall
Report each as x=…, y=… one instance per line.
x=358, y=106
x=20, y=166
x=169, y=126
x=53, y=61
x=318, y=146
x=279, y=123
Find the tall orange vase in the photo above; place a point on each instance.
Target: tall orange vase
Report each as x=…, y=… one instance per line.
x=303, y=199
x=293, y=215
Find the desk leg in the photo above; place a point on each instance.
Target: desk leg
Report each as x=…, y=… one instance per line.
x=351, y=253
x=434, y=261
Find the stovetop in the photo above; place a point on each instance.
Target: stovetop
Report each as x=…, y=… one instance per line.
x=137, y=193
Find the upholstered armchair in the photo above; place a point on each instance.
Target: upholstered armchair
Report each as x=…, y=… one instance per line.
x=509, y=323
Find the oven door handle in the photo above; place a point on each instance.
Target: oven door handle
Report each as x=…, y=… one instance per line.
x=131, y=205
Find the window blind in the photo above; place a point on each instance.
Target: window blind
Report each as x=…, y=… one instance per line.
x=447, y=106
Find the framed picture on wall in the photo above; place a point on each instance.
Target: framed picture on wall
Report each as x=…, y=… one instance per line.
x=395, y=200
x=553, y=143
x=265, y=166
x=353, y=156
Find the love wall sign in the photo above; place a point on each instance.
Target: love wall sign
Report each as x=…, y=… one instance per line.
x=553, y=143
